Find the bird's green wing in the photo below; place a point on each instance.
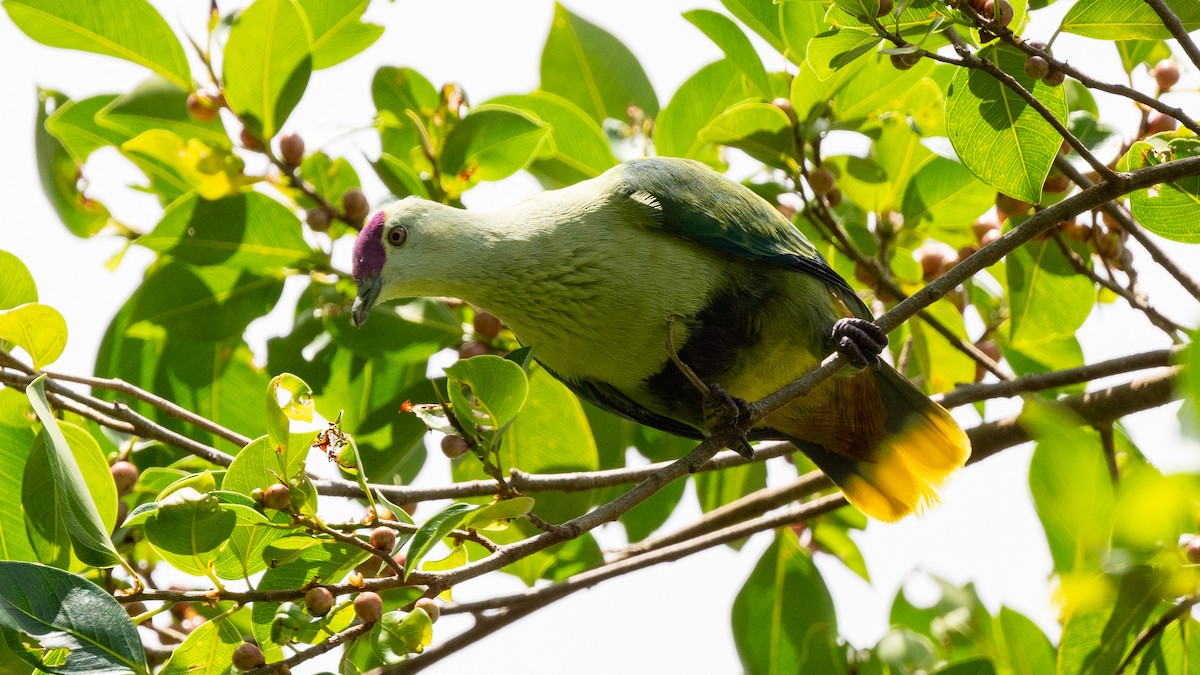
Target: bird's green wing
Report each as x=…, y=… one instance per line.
x=688, y=199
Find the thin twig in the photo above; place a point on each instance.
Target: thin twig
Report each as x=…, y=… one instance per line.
x=1149, y=633
x=972, y=393
x=1110, y=451
x=1178, y=30
x=354, y=632
x=168, y=407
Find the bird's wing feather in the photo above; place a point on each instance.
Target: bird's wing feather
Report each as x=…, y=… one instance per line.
x=609, y=398
x=688, y=199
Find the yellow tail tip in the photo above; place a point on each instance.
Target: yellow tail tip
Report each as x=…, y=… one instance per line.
x=909, y=468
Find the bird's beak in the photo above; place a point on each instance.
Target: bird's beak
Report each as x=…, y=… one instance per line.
x=368, y=291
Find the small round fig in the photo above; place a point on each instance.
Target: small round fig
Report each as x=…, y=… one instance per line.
x=1054, y=78
x=1109, y=221
x=202, y=107
x=935, y=259
x=251, y=141
x=409, y=508
x=982, y=227
x=135, y=608
x=430, y=607
x=355, y=204
x=1159, y=123
x=291, y=149
x=1003, y=12
x=1011, y=206
x=319, y=600
x=318, y=219
x=122, y=514
x=1108, y=246
x=1192, y=551
x=248, y=656
x=865, y=275
x=821, y=180
x=454, y=446
x=472, y=348
x=905, y=61
x=486, y=325
x=989, y=237
x=885, y=8
x=991, y=350
x=1040, y=46
x=278, y=496
x=125, y=475
x=1037, y=67
x=368, y=606
x=1078, y=231
x=383, y=538
x=833, y=198
x=785, y=105
x=1057, y=183
x=1166, y=74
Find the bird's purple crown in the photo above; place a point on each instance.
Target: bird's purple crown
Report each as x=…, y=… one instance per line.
x=368, y=249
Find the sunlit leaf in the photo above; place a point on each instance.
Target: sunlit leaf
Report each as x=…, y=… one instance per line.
x=1127, y=19
x=267, y=64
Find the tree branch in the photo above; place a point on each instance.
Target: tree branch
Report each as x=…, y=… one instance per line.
x=1178, y=30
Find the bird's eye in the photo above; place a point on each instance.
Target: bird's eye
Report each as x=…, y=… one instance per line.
x=397, y=236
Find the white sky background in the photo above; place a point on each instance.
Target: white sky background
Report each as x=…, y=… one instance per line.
x=675, y=617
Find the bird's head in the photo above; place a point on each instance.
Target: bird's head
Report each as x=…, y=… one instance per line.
x=404, y=250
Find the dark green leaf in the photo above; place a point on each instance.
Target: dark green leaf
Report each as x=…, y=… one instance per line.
x=59, y=174
x=86, y=528
x=127, y=29
x=66, y=619
x=644, y=519
x=338, y=32
x=1127, y=19
x=998, y=136
x=267, y=64
x=248, y=230
x=737, y=47
x=292, y=563
x=200, y=303
x=1049, y=300
x=718, y=488
x=253, y=532
x=586, y=65
x=783, y=603
x=189, y=529
x=15, y=446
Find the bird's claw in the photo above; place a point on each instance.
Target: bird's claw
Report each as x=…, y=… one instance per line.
x=725, y=411
x=859, y=341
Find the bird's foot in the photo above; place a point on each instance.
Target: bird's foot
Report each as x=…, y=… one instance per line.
x=859, y=341
x=725, y=411
x=721, y=410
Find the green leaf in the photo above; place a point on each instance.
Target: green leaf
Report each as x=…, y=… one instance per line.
x=737, y=47
x=38, y=329
x=433, y=531
x=68, y=620
x=1127, y=19
x=914, y=20
x=699, y=100
x=761, y=16
x=1071, y=490
x=876, y=86
x=176, y=167
x=783, y=602
x=158, y=105
x=59, y=174
x=799, y=22
x=1166, y=209
x=42, y=493
x=944, y=196
x=1189, y=384
x=859, y=9
x=399, y=178
x=1104, y=141
x=408, y=332
x=644, y=519
x=1175, y=650
x=200, y=303
x=88, y=533
x=258, y=465
x=1044, y=357
x=491, y=143
x=586, y=65
x=253, y=533
x=337, y=30
x=718, y=488
x=998, y=136
x=1048, y=299
x=576, y=148
x=267, y=64
x=1134, y=53
x=74, y=125
x=487, y=390
x=406, y=632
x=189, y=529
x=1026, y=647
x=958, y=622
x=834, y=538
x=499, y=511
x=208, y=650
x=943, y=365
x=759, y=129
x=16, y=283
x=127, y=29
x=1096, y=638
x=15, y=447
x=835, y=49
x=248, y=230
x=288, y=399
